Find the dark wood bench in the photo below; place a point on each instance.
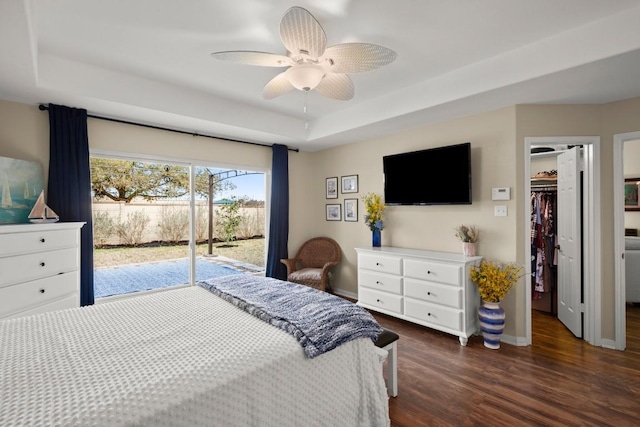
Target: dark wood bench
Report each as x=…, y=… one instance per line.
x=387, y=340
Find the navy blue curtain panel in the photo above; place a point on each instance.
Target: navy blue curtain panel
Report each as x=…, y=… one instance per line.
x=279, y=213
x=69, y=189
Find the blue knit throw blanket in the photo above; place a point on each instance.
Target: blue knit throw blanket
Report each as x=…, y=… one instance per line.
x=318, y=320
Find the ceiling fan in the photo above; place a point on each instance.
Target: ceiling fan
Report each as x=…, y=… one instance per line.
x=312, y=65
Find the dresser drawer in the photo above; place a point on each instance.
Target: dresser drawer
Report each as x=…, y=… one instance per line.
x=438, y=315
x=380, y=281
x=70, y=301
x=16, y=298
x=380, y=263
x=37, y=241
x=442, y=273
x=381, y=300
x=24, y=268
x=433, y=292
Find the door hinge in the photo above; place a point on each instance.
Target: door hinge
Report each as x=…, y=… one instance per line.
x=581, y=307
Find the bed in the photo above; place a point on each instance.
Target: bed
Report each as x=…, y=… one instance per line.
x=188, y=357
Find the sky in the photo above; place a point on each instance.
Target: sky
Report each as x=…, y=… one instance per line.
x=250, y=186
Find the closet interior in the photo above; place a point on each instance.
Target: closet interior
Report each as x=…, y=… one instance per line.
x=544, y=254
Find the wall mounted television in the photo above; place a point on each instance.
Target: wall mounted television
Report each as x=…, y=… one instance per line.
x=434, y=176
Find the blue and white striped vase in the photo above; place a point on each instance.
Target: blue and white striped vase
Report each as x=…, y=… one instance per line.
x=491, y=317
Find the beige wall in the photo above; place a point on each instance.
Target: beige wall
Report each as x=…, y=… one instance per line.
x=497, y=140
x=24, y=134
x=114, y=137
x=492, y=137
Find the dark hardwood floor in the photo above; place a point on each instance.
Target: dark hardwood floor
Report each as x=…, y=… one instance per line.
x=558, y=381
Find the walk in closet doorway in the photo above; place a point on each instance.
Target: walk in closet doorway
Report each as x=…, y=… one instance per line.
x=557, y=273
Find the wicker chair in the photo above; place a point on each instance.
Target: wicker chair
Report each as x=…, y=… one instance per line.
x=312, y=264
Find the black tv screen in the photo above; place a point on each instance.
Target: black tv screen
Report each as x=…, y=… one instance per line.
x=435, y=176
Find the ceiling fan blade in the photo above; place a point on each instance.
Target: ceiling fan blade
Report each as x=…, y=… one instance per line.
x=336, y=86
x=302, y=34
x=357, y=57
x=279, y=85
x=263, y=59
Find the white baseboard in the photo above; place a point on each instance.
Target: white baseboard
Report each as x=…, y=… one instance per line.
x=611, y=344
x=344, y=293
x=510, y=339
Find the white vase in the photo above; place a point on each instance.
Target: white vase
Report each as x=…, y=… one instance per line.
x=469, y=249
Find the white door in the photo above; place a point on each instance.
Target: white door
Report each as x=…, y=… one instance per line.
x=569, y=239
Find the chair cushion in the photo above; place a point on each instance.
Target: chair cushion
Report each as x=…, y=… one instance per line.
x=306, y=275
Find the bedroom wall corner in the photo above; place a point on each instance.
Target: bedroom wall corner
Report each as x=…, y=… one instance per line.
x=24, y=134
x=303, y=191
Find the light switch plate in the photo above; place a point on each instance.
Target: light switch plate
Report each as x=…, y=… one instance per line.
x=500, y=211
x=501, y=193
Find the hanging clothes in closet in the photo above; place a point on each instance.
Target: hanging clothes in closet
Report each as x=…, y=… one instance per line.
x=543, y=241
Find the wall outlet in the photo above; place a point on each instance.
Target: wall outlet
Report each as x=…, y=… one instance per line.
x=500, y=211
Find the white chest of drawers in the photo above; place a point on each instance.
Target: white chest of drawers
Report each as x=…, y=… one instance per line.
x=425, y=287
x=39, y=268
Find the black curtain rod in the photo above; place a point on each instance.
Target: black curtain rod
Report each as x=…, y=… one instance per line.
x=44, y=107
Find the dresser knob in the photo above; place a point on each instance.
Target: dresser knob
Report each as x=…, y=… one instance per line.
x=377, y=300
x=428, y=293
x=42, y=264
x=42, y=291
x=428, y=271
x=378, y=282
x=429, y=314
x=377, y=263
x=42, y=240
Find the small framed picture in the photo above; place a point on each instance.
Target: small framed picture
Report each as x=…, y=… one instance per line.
x=332, y=187
x=334, y=212
x=351, y=210
x=350, y=184
x=631, y=199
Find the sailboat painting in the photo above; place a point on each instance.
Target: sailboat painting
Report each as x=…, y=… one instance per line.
x=21, y=182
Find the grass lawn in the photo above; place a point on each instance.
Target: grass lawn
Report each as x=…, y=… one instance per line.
x=251, y=251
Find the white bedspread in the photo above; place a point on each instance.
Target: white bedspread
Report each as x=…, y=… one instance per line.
x=179, y=358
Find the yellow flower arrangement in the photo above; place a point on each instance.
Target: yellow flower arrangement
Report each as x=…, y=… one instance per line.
x=495, y=279
x=374, y=208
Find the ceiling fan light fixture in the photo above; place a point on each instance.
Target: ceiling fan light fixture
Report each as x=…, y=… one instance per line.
x=305, y=77
x=312, y=65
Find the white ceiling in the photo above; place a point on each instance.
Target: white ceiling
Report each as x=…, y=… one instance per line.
x=149, y=61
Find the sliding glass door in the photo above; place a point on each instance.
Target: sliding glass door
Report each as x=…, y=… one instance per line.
x=160, y=224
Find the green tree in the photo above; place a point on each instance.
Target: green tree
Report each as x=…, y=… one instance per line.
x=124, y=180
x=228, y=220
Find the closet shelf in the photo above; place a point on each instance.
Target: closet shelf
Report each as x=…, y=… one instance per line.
x=544, y=181
x=547, y=153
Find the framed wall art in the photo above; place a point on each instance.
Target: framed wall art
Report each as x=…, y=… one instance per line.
x=631, y=194
x=21, y=182
x=350, y=184
x=351, y=210
x=332, y=187
x=334, y=212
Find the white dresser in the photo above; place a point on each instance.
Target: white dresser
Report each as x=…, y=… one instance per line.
x=39, y=268
x=425, y=287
